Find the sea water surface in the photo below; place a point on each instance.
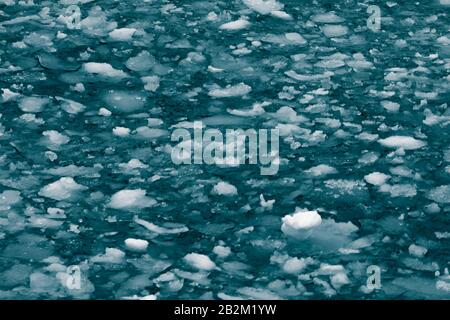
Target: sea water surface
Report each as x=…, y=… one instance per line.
x=92, y=205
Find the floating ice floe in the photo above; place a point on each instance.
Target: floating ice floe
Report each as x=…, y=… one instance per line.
x=265, y=7
x=104, y=112
x=199, y=261
x=329, y=17
x=290, y=38
x=103, y=69
x=136, y=245
x=301, y=221
x=33, y=104
x=96, y=23
x=122, y=34
x=235, y=25
x=151, y=83
x=417, y=251
x=440, y=194
x=111, y=255
x=124, y=101
x=334, y=31
x=143, y=61
x=9, y=198
x=376, y=178
x=237, y=90
x=224, y=189
x=53, y=139
x=403, y=142
x=296, y=265
x=321, y=170
x=121, y=131
x=161, y=230
x=131, y=199
x=64, y=189
x=133, y=164
x=221, y=251
x=390, y=106
x=70, y=106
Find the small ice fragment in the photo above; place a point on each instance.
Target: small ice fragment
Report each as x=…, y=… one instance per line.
x=376, y=178
x=128, y=199
x=121, y=131
x=329, y=17
x=71, y=106
x=296, y=265
x=390, y=106
x=417, y=251
x=239, y=89
x=136, y=245
x=143, y=61
x=334, y=31
x=199, y=261
x=8, y=198
x=55, y=138
x=440, y=194
x=33, y=104
x=300, y=220
x=63, y=189
x=124, y=101
x=111, y=255
x=103, y=69
x=224, y=189
x=263, y=6
x=122, y=34
x=235, y=25
x=104, y=112
x=222, y=251
x=151, y=83
x=404, y=142
x=321, y=170
x=295, y=38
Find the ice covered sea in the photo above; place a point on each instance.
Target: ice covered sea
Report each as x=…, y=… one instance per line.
x=92, y=205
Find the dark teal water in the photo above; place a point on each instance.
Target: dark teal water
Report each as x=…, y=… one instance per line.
x=364, y=145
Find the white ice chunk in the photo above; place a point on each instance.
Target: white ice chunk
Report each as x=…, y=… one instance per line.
x=263, y=6
x=63, y=189
x=237, y=90
x=103, y=69
x=403, y=142
x=104, y=112
x=376, y=178
x=122, y=34
x=334, y=31
x=151, y=83
x=390, y=106
x=121, y=131
x=33, y=104
x=129, y=199
x=235, y=25
x=55, y=138
x=440, y=194
x=143, y=61
x=224, y=189
x=300, y=220
x=222, y=251
x=329, y=17
x=71, y=106
x=199, y=261
x=417, y=251
x=111, y=255
x=321, y=170
x=136, y=245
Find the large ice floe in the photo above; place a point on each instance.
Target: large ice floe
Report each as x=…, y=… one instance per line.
x=92, y=91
